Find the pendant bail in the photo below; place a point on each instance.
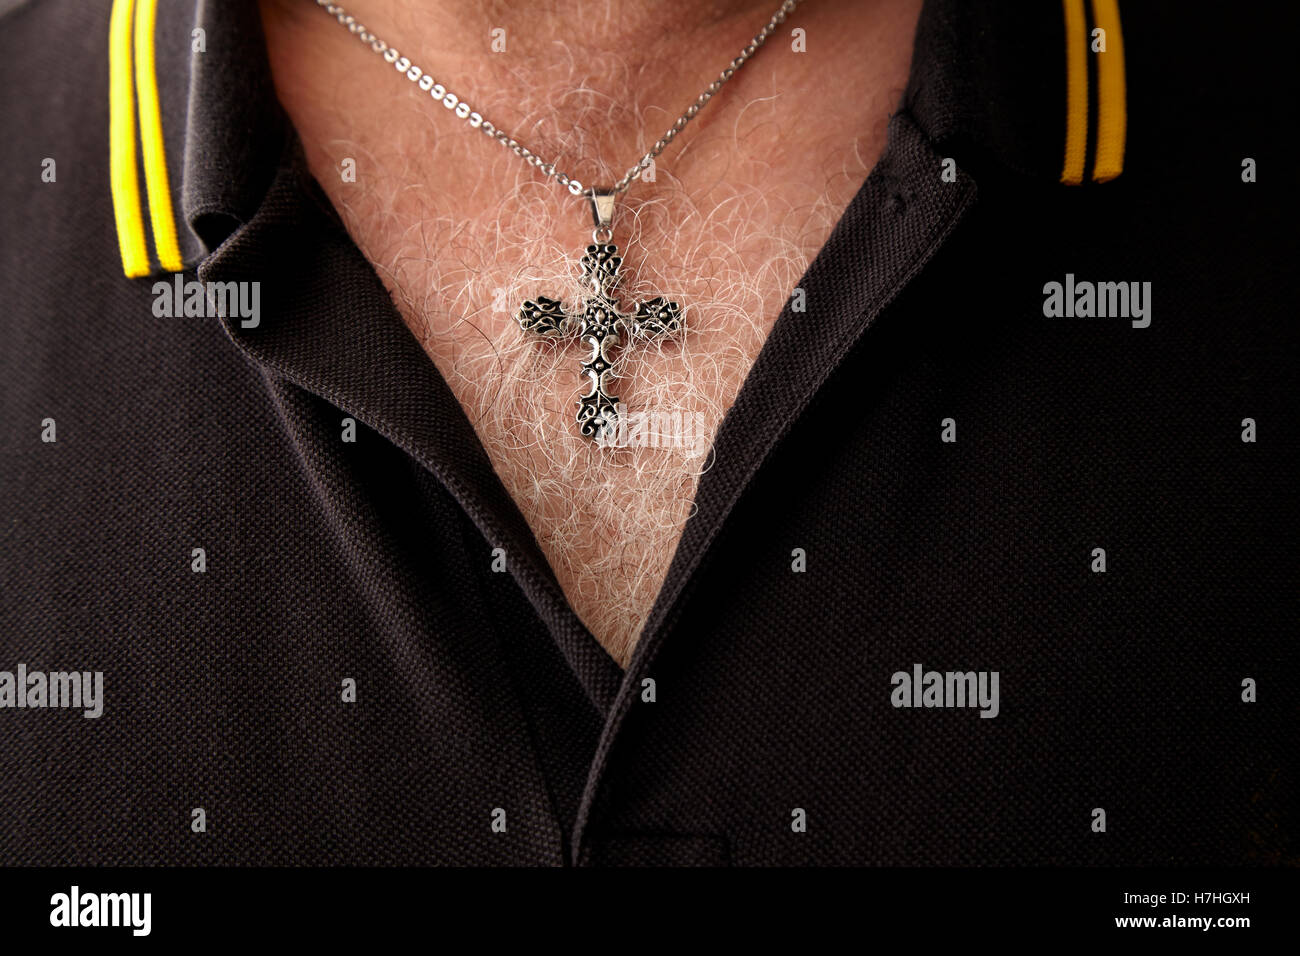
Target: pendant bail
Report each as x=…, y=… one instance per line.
x=602, y=210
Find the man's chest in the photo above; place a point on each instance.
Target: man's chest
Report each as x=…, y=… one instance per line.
x=607, y=510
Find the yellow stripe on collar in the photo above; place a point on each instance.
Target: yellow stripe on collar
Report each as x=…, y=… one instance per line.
x=133, y=76
x=151, y=139
x=1112, y=106
x=1107, y=44
x=121, y=144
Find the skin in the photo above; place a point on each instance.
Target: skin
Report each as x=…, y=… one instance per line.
x=461, y=231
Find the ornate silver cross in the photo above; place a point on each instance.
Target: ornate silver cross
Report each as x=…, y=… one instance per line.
x=600, y=324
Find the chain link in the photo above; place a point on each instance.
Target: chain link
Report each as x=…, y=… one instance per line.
x=461, y=107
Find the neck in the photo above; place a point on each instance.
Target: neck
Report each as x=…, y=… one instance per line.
x=597, y=78
x=595, y=99
x=636, y=28
x=633, y=27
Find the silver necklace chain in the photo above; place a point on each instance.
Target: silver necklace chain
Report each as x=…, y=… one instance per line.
x=458, y=105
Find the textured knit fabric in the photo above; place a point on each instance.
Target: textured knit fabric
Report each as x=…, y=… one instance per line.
x=481, y=694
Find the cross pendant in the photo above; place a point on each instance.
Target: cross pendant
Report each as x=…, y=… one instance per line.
x=601, y=326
